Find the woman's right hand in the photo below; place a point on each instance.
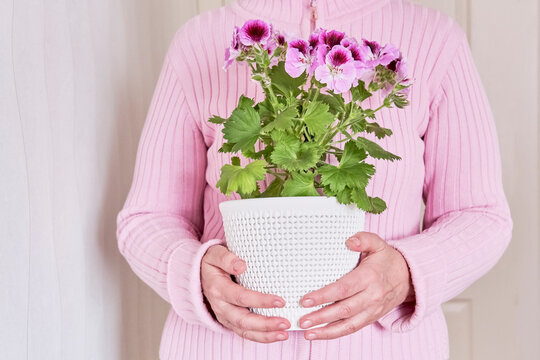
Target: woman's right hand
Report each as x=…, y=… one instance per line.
x=230, y=301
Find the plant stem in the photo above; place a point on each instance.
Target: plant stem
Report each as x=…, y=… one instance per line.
x=277, y=173
x=354, y=121
x=347, y=135
x=316, y=94
x=332, y=132
x=340, y=141
x=305, y=133
x=273, y=98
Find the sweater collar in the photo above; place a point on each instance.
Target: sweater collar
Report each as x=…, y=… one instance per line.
x=293, y=11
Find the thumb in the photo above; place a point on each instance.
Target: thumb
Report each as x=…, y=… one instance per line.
x=221, y=257
x=365, y=242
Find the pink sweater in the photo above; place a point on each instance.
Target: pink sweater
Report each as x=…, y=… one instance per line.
x=450, y=152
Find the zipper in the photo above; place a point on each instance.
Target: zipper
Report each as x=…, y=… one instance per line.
x=314, y=14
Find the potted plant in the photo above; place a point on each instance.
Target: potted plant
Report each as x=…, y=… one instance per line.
x=292, y=234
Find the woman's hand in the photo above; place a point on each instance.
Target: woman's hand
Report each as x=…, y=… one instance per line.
x=379, y=283
x=230, y=301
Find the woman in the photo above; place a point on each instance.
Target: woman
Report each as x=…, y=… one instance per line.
x=389, y=307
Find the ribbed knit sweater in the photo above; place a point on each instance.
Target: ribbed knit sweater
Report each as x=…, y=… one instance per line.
x=450, y=160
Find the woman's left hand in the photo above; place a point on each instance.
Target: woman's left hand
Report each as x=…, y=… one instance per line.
x=380, y=282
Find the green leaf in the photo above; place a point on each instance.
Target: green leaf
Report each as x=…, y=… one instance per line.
x=358, y=124
x=361, y=199
x=370, y=113
x=338, y=178
x=239, y=179
x=257, y=155
x=226, y=148
x=328, y=191
x=274, y=189
x=300, y=184
x=254, y=194
x=317, y=83
x=257, y=76
x=217, y=119
x=379, y=131
x=245, y=102
x=267, y=151
x=367, y=203
x=285, y=84
x=375, y=150
x=336, y=104
x=399, y=100
x=284, y=118
x=243, y=129
x=265, y=110
x=291, y=154
x=351, y=155
x=283, y=121
x=379, y=205
x=359, y=92
x=350, y=171
x=318, y=118
x=344, y=196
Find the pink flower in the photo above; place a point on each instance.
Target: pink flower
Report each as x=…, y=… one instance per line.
x=318, y=49
x=232, y=51
x=388, y=54
x=319, y=54
x=298, y=58
x=354, y=48
x=369, y=52
x=255, y=32
x=331, y=38
x=348, y=41
x=271, y=45
x=338, y=72
x=321, y=41
x=314, y=39
x=399, y=67
x=277, y=39
x=281, y=38
x=371, y=55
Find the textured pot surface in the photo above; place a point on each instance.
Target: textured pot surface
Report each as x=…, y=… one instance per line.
x=291, y=245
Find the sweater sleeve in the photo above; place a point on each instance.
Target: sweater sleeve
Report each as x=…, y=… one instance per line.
x=467, y=219
x=160, y=224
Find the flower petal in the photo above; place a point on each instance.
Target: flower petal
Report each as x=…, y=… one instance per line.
x=255, y=31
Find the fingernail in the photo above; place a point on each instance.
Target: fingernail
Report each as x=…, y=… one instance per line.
x=311, y=336
x=281, y=336
x=237, y=265
x=279, y=303
x=308, y=302
x=306, y=324
x=283, y=326
x=355, y=241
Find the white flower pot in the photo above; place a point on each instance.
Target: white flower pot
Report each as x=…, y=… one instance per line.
x=291, y=245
